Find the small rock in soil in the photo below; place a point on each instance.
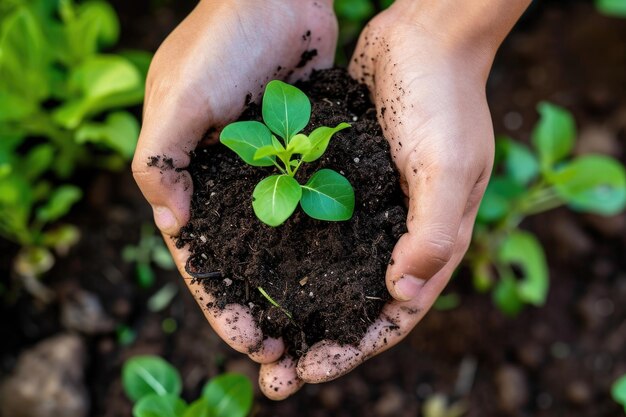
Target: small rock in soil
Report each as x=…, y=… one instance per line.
x=578, y=393
x=512, y=388
x=82, y=311
x=48, y=381
x=390, y=403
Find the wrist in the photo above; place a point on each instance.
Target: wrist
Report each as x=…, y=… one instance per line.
x=471, y=30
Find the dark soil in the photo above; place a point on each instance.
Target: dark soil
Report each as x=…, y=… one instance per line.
x=328, y=275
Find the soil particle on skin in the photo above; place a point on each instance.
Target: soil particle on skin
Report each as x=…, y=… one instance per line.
x=306, y=56
x=330, y=276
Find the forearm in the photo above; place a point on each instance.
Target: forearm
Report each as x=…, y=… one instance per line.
x=474, y=26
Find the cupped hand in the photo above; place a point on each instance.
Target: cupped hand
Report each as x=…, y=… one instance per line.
x=222, y=52
x=430, y=98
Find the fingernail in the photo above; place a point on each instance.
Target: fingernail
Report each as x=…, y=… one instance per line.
x=407, y=287
x=165, y=220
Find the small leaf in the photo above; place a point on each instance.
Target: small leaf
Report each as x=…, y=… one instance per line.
x=145, y=275
x=506, y=297
x=618, y=391
x=498, y=200
x=162, y=257
x=265, y=151
x=554, y=134
x=275, y=198
x=519, y=162
x=144, y=375
x=593, y=183
x=523, y=250
x=37, y=161
x=328, y=196
x=119, y=132
x=320, y=138
x=198, y=408
x=154, y=405
x=228, y=395
x=286, y=110
x=245, y=139
x=299, y=144
x=59, y=203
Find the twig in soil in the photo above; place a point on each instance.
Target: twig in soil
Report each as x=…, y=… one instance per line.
x=201, y=275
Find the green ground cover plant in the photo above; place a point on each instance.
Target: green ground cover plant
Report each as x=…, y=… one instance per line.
x=527, y=181
x=286, y=110
x=61, y=108
x=155, y=386
x=618, y=391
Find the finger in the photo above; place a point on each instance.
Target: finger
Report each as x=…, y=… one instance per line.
x=326, y=360
x=278, y=380
x=234, y=324
x=438, y=199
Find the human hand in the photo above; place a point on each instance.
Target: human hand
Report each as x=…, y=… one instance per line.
x=223, y=51
x=429, y=91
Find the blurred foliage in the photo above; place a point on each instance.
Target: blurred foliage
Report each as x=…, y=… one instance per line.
x=155, y=387
x=60, y=109
x=149, y=250
x=618, y=391
x=615, y=8
x=509, y=261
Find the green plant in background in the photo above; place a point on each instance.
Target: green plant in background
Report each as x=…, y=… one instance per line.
x=286, y=110
x=618, y=391
x=60, y=108
x=615, y=8
x=511, y=261
x=155, y=386
x=149, y=250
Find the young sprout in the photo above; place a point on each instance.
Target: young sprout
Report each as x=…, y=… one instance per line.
x=274, y=303
x=286, y=110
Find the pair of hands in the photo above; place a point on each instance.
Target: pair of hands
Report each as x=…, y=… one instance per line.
x=440, y=134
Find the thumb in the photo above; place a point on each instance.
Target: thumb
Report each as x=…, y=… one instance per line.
x=438, y=197
x=169, y=133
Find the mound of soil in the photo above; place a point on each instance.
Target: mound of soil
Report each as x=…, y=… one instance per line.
x=328, y=275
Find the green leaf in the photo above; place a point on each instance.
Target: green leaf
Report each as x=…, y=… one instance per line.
x=328, y=196
x=14, y=107
x=286, y=110
x=198, y=408
x=320, y=138
x=499, y=198
x=144, y=375
x=245, y=139
x=140, y=59
x=229, y=395
x=265, y=151
x=94, y=26
x=554, y=134
x=299, y=144
x=506, y=297
x=62, y=238
x=145, y=275
x=618, y=391
x=615, y=8
x=102, y=82
x=275, y=198
x=162, y=257
x=37, y=161
x=592, y=183
x=523, y=250
x=59, y=203
x=119, y=132
x=24, y=57
x=519, y=162
x=154, y=405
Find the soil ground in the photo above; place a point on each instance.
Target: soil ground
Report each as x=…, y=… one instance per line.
x=558, y=360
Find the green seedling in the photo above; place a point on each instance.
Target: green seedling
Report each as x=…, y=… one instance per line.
x=155, y=386
x=286, y=110
x=528, y=181
x=274, y=303
x=150, y=250
x=61, y=107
